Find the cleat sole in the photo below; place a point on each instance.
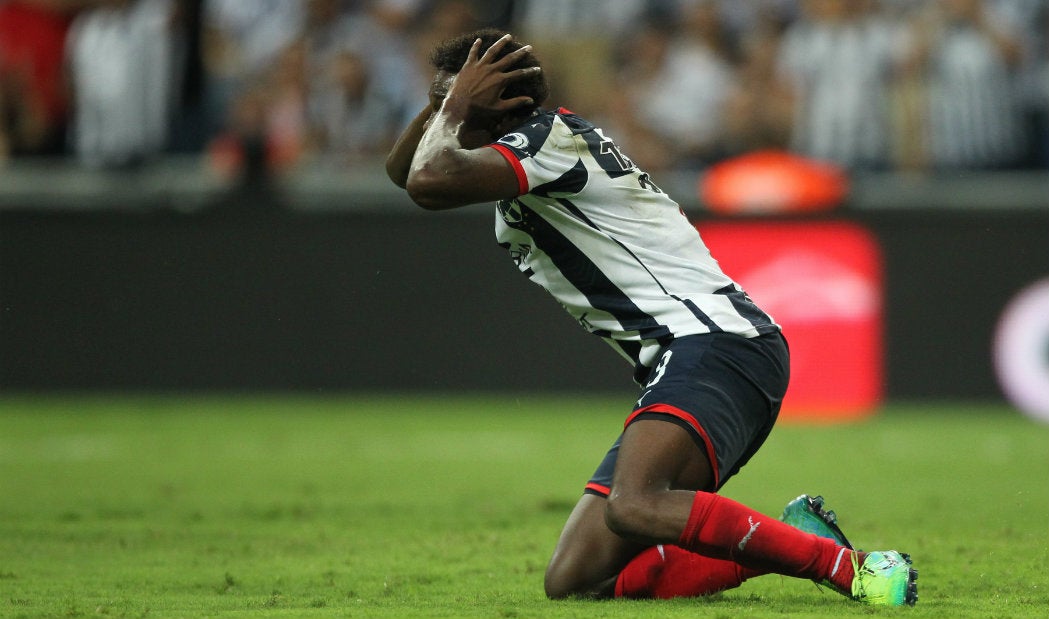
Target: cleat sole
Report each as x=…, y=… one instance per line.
x=911, y=597
x=816, y=505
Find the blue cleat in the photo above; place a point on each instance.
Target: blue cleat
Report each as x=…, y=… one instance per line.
x=885, y=578
x=806, y=513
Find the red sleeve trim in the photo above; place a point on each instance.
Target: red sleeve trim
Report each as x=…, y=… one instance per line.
x=599, y=489
x=515, y=163
x=688, y=418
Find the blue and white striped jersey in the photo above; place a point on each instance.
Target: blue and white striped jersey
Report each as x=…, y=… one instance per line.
x=618, y=253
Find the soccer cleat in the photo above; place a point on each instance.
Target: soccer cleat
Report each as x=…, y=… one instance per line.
x=885, y=579
x=806, y=513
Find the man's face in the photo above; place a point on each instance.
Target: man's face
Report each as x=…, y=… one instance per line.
x=439, y=87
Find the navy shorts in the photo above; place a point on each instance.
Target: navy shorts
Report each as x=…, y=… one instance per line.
x=725, y=389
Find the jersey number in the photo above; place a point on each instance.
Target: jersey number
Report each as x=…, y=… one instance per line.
x=660, y=369
x=608, y=147
x=614, y=162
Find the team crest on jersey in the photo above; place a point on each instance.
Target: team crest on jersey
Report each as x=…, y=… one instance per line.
x=510, y=211
x=515, y=140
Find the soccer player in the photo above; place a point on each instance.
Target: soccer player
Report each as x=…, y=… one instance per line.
x=580, y=219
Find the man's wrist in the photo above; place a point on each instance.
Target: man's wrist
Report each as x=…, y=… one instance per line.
x=455, y=108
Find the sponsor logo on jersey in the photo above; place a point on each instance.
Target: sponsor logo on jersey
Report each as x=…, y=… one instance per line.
x=515, y=140
x=518, y=253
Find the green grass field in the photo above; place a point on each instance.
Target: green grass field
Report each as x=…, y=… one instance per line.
x=449, y=507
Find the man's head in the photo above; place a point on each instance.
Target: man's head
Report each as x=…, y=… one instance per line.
x=449, y=56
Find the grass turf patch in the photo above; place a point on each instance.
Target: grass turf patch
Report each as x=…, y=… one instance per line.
x=450, y=506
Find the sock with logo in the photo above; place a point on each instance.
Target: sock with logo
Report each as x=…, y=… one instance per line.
x=670, y=571
x=724, y=529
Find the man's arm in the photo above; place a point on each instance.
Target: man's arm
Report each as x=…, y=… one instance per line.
x=443, y=174
x=399, y=161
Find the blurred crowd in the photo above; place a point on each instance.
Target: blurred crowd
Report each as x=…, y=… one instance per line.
x=928, y=85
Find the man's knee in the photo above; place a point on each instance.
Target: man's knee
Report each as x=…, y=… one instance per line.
x=588, y=556
x=573, y=576
x=626, y=515
x=559, y=582
x=650, y=516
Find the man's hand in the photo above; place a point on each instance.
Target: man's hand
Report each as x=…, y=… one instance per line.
x=449, y=167
x=477, y=90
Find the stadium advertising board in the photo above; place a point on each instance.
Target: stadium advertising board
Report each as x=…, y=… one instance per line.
x=822, y=282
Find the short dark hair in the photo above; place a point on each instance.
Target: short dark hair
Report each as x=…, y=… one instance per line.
x=450, y=55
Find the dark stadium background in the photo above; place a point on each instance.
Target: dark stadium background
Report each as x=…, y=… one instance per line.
x=346, y=286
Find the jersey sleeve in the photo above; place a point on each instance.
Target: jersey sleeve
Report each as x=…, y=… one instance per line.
x=540, y=153
x=515, y=162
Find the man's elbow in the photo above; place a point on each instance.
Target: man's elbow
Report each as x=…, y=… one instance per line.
x=428, y=202
x=427, y=195
x=399, y=178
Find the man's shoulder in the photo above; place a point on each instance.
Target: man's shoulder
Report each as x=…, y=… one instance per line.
x=544, y=121
x=535, y=132
x=575, y=123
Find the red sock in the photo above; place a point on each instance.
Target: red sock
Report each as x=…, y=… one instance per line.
x=722, y=528
x=669, y=572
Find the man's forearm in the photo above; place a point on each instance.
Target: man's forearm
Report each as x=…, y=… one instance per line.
x=437, y=147
x=399, y=161
x=445, y=173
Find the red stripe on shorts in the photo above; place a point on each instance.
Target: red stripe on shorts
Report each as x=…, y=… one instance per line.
x=598, y=488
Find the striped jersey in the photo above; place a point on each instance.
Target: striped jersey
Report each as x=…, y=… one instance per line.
x=840, y=72
x=618, y=253
x=974, y=108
